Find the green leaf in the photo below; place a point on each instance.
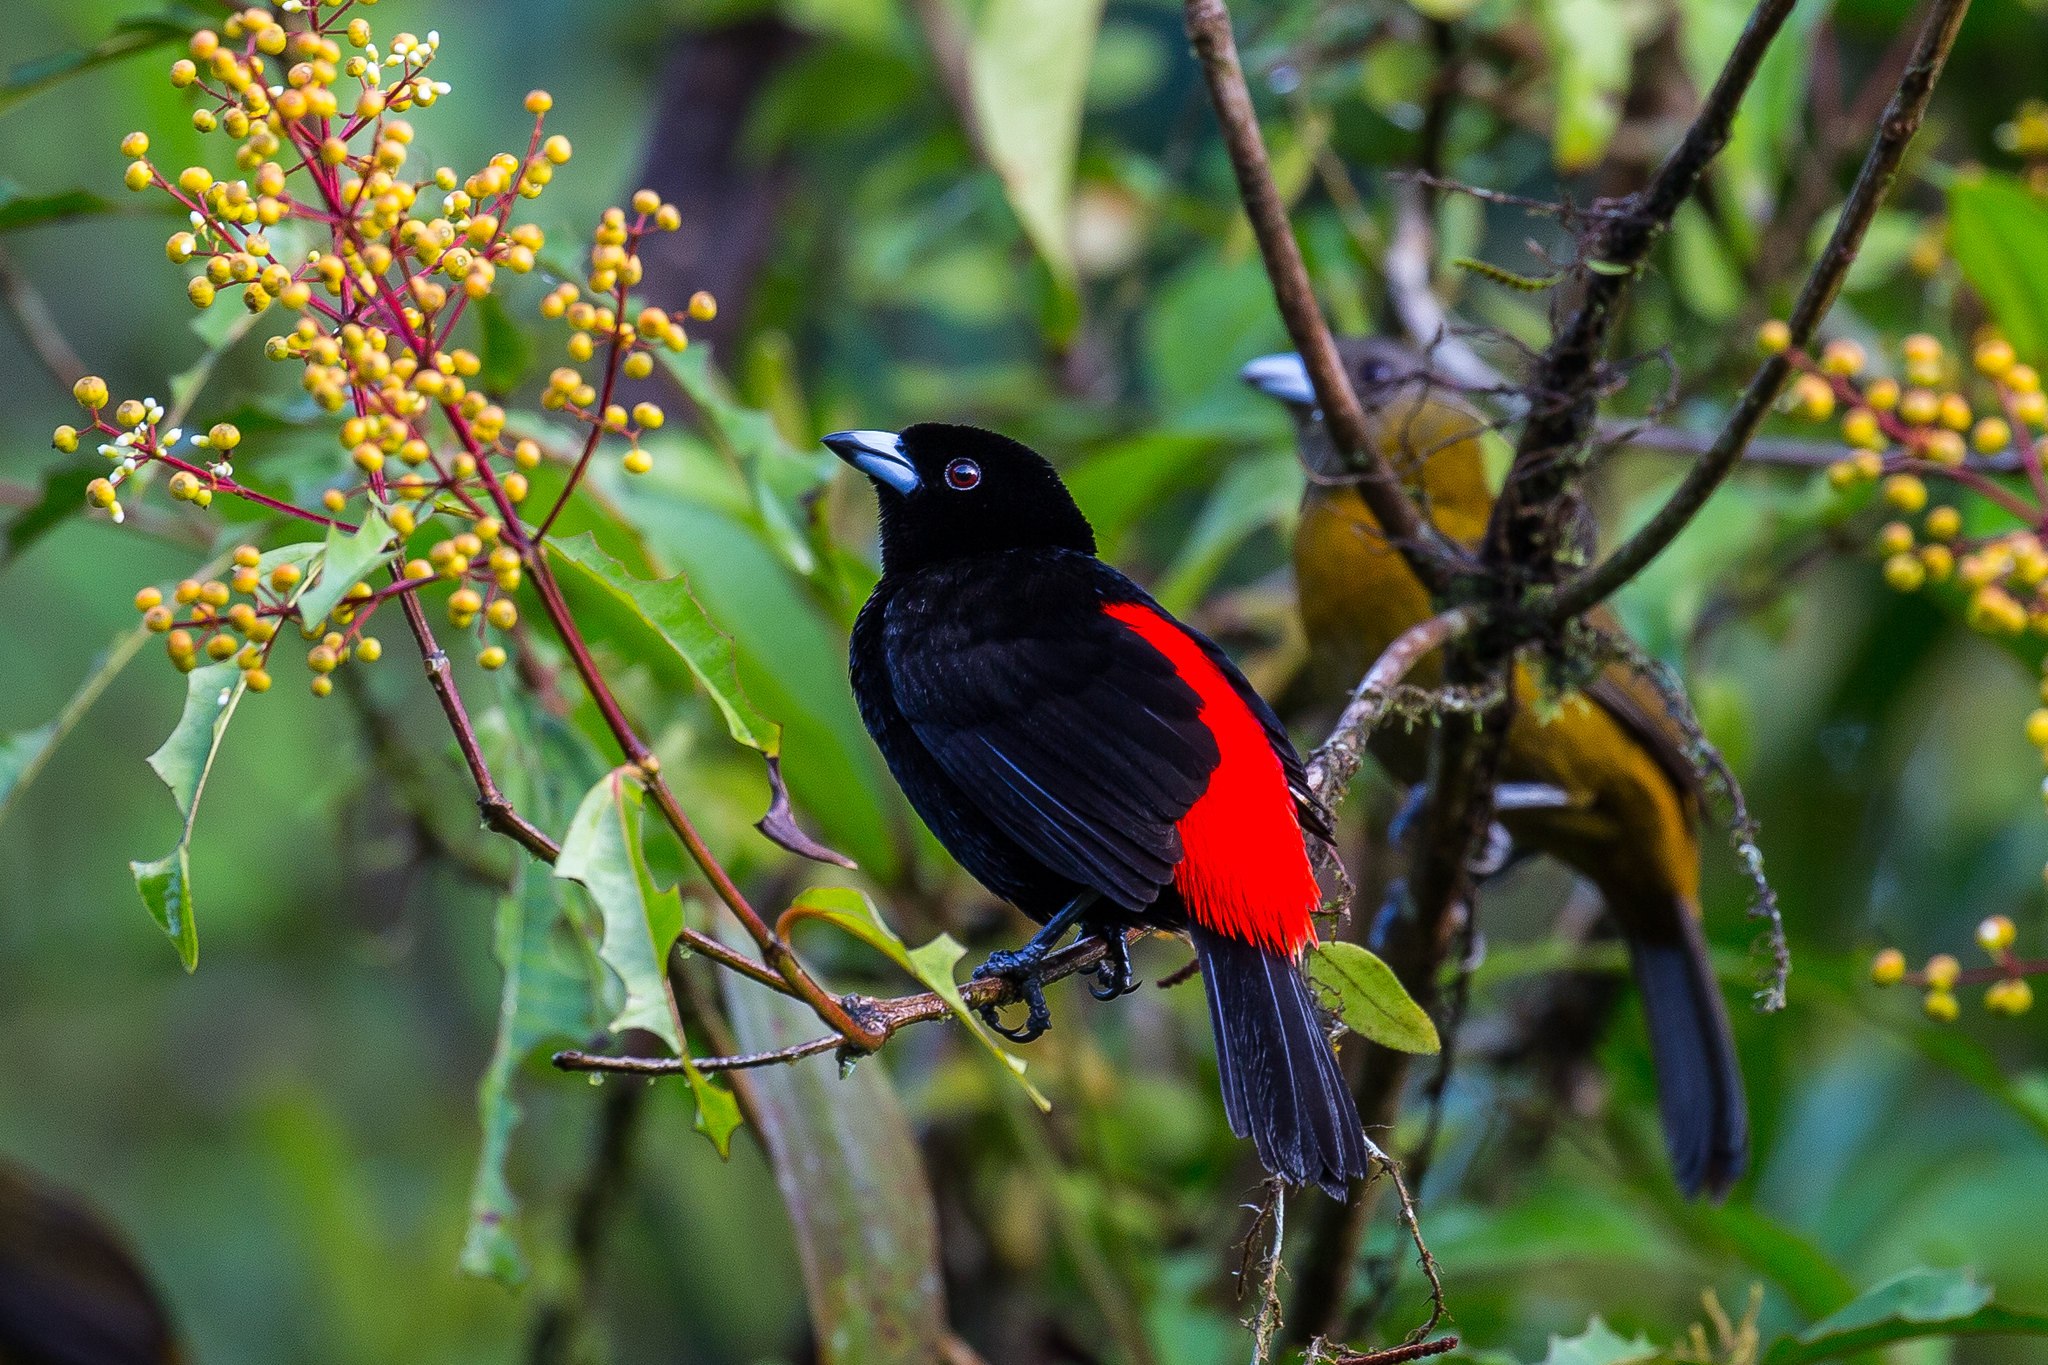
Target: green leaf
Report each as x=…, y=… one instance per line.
x=602, y=853
x=669, y=620
x=931, y=964
x=342, y=563
x=1028, y=70
x=1591, y=50
x=1998, y=230
x=23, y=755
x=1600, y=1344
x=778, y=475
x=183, y=762
x=1262, y=490
x=506, y=350
x=1364, y=993
x=129, y=37
x=546, y=997
x=854, y=1185
x=18, y=210
x=1918, y=1303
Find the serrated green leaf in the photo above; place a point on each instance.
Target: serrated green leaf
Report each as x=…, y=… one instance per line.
x=718, y=1112
x=1600, y=1344
x=1918, y=1303
x=670, y=620
x=931, y=964
x=343, y=562
x=23, y=755
x=546, y=997
x=602, y=853
x=1998, y=230
x=1364, y=993
x=183, y=762
x=1028, y=73
x=778, y=474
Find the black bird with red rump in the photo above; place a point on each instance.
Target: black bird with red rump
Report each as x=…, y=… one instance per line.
x=1097, y=764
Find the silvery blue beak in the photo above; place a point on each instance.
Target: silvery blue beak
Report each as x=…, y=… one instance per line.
x=877, y=454
x=1281, y=376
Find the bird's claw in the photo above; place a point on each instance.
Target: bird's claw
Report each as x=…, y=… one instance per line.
x=1113, y=975
x=1022, y=968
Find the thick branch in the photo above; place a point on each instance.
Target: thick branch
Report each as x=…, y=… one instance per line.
x=1902, y=119
x=1433, y=558
x=1565, y=384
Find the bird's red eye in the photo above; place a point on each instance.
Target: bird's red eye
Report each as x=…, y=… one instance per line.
x=962, y=475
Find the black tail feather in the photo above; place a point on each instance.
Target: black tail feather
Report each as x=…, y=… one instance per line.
x=1699, y=1081
x=1281, y=1084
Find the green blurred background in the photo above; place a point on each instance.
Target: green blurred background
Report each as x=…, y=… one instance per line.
x=289, y=1136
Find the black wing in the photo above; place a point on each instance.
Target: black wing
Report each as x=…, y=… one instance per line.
x=1060, y=723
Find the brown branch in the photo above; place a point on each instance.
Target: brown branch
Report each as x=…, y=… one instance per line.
x=1901, y=121
x=1434, y=560
x=497, y=810
x=1523, y=534
x=1338, y=758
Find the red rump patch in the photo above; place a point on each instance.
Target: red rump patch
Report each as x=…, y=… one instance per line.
x=1245, y=871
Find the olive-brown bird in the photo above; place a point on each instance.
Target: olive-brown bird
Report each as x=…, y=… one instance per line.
x=1602, y=781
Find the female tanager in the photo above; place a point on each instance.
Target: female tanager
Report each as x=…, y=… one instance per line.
x=1623, y=799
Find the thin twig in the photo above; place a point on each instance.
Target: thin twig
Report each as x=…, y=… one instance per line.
x=46, y=340
x=1338, y=758
x=674, y=1066
x=1902, y=119
x=1434, y=560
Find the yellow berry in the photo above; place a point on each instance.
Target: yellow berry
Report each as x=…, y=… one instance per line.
x=1888, y=968
x=1938, y=560
x=1904, y=572
x=515, y=487
x=1997, y=932
x=1955, y=412
x=1944, y=522
x=2012, y=996
x=258, y=679
x=100, y=493
x=1942, y=970
x=138, y=176
x=1774, y=337
x=284, y=576
x=1860, y=427
x=491, y=656
x=322, y=685
x=556, y=149
x=221, y=646
x=135, y=144
x=1941, y=1006
x=1842, y=357
x=200, y=290
x=158, y=619
x=539, y=102
x=1991, y=435
x=704, y=308
x=1894, y=537
x=369, y=649
x=1993, y=356
x=637, y=461
x=1919, y=407
x=503, y=613
x=91, y=392
x=1921, y=349
x=648, y=416
x=1814, y=398
x=1943, y=446
x=1905, y=492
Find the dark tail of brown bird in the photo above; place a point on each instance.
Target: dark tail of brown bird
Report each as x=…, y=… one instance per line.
x=1699, y=1081
x=1281, y=1084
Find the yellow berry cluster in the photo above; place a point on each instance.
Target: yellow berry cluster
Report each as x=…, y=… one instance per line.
x=373, y=267
x=2006, y=988
x=1924, y=428
x=239, y=618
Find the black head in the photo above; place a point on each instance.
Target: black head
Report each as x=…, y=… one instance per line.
x=952, y=492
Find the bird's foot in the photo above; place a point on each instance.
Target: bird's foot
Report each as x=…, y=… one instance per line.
x=1024, y=967
x=1113, y=975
